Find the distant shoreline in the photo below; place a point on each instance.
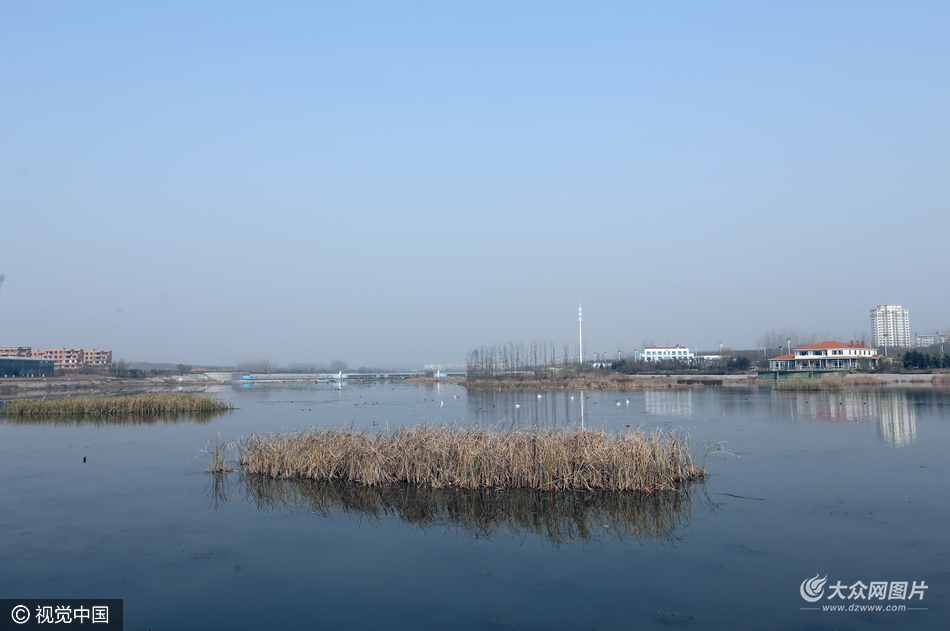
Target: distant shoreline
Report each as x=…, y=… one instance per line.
x=614, y=381
x=98, y=385
x=611, y=381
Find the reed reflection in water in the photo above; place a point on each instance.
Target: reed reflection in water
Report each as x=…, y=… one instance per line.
x=557, y=518
x=166, y=418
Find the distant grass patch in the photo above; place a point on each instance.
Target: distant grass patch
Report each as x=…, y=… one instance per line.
x=863, y=380
x=441, y=457
x=128, y=406
x=828, y=383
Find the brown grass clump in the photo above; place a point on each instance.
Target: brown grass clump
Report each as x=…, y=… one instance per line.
x=134, y=405
x=863, y=380
x=942, y=379
x=826, y=383
x=476, y=458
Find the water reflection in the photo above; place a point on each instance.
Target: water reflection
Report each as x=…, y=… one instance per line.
x=516, y=409
x=106, y=421
x=558, y=518
x=897, y=424
x=892, y=411
x=669, y=402
x=832, y=407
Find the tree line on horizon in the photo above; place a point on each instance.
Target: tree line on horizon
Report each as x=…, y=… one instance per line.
x=513, y=358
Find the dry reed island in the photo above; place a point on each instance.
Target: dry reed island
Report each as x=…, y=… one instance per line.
x=135, y=405
x=476, y=458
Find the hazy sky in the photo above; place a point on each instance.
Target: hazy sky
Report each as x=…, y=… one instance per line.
x=397, y=183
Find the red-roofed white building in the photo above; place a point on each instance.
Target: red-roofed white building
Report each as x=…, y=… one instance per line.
x=825, y=356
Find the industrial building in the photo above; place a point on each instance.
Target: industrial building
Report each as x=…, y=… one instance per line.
x=25, y=367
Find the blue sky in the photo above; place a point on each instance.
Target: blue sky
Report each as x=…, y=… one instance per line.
x=398, y=183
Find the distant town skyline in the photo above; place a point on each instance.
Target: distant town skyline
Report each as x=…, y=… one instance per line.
x=395, y=186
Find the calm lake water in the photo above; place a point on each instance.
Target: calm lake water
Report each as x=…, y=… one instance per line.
x=852, y=486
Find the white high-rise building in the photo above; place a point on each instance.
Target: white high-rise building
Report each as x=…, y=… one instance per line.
x=892, y=321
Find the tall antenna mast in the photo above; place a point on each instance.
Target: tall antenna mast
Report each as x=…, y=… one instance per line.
x=580, y=334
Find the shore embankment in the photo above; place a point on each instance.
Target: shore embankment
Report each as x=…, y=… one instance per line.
x=614, y=381
x=608, y=381
x=99, y=385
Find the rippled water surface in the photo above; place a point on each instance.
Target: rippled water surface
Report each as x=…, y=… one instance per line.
x=854, y=486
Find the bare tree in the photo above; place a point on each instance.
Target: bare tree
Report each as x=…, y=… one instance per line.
x=261, y=366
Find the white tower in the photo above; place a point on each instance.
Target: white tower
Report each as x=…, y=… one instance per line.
x=580, y=333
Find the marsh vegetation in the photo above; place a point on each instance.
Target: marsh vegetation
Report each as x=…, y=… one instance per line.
x=477, y=458
x=139, y=405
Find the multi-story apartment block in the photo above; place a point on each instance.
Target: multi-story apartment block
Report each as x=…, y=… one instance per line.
x=890, y=326
x=97, y=359
x=15, y=351
x=930, y=340
x=63, y=357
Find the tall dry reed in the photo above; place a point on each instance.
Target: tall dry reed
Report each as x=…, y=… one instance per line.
x=220, y=455
x=477, y=458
